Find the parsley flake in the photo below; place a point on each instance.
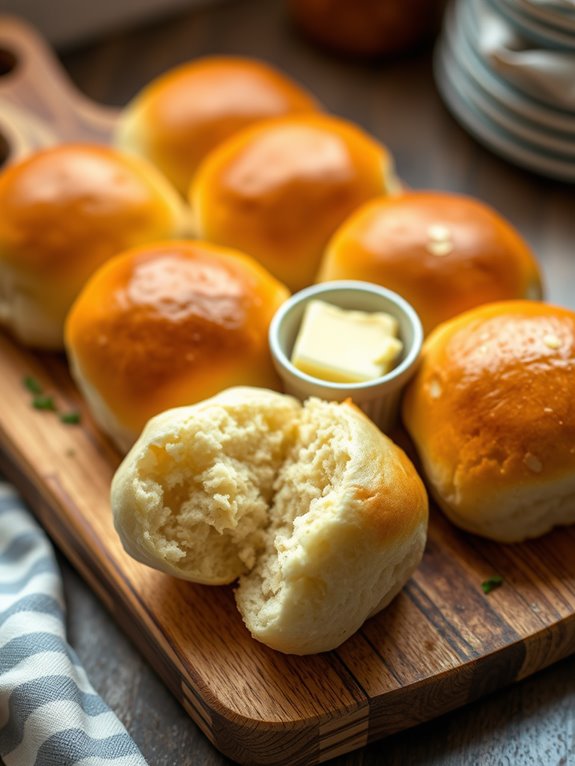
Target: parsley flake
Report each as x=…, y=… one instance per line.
x=491, y=583
x=42, y=402
x=32, y=385
x=71, y=418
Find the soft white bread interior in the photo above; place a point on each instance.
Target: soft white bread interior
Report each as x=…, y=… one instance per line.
x=347, y=529
x=492, y=413
x=321, y=516
x=191, y=497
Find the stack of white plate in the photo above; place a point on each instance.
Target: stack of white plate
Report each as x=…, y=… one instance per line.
x=506, y=70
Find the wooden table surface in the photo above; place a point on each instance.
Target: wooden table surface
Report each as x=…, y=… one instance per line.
x=534, y=721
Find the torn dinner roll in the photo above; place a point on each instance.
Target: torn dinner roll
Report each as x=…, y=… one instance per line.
x=491, y=411
x=321, y=516
x=64, y=211
x=168, y=324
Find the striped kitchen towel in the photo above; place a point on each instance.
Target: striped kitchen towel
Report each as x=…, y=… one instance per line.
x=49, y=713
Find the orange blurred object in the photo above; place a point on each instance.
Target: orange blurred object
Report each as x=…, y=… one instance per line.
x=368, y=27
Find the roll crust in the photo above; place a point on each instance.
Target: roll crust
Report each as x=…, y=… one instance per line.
x=181, y=116
x=65, y=211
x=170, y=324
x=491, y=413
x=445, y=253
x=279, y=190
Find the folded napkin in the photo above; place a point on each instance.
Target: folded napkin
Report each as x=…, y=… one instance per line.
x=557, y=15
x=548, y=75
x=554, y=5
x=49, y=713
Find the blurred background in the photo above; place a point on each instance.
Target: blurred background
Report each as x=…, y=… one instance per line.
x=380, y=64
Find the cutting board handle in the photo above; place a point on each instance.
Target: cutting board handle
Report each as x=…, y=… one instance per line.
x=39, y=105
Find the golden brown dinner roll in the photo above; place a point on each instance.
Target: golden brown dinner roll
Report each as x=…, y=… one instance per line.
x=492, y=413
x=443, y=252
x=63, y=212
x=279, y=190
x=169, y=324
x=321, y=516
x=179, y=117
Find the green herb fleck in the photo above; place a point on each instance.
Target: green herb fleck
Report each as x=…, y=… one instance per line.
x=491, y=583
x=42, y=402
x=71, y=418
x=32, y=385
x=71, y=452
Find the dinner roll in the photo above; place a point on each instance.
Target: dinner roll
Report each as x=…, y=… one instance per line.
x=63, y=212
x=321, y=516
x=179, y=117
x=279, y=190
x=492, y=414
x=444, y=253
x=169, y=324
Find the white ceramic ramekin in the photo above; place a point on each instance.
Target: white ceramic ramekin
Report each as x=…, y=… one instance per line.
x=378, y=398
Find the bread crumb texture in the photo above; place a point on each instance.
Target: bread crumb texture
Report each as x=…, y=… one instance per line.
x=321, y=517
x=198, y=494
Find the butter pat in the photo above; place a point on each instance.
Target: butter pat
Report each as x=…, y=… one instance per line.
x=343, y=346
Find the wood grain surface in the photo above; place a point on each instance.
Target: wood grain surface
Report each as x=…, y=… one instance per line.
x=484, y=635
x=442, y=642
x=38, y=104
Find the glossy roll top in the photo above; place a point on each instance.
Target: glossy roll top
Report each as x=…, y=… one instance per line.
x=492, y=414
x=444, y=253
x=181, y=116
x=170, y=324
x=279, y=190
x=65, y=211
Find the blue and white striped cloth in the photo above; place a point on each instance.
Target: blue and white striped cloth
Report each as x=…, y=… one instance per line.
x=49, y=713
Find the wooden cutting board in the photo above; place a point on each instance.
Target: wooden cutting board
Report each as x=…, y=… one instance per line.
x=442, y=642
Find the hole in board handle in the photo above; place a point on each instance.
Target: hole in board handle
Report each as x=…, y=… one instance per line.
x=8, y=61
x=4, y=150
